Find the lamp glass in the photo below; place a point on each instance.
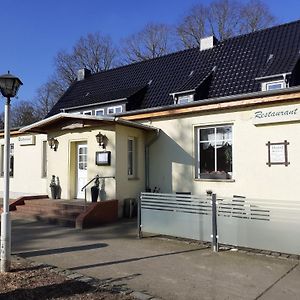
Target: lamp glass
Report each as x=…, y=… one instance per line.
x=9, y=85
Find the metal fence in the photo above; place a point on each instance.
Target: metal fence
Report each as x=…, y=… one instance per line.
x=264, y=224
x=186, y=216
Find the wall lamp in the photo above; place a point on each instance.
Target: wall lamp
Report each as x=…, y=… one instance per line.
x=53, y=143
x=102, y=140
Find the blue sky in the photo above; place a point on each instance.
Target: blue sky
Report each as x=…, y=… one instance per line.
x=33, y=31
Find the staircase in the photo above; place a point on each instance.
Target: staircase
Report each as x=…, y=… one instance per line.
x=61, y=212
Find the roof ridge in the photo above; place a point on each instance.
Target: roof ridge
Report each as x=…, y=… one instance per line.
x=193, y=48
x=145, y=61
x=260, y=30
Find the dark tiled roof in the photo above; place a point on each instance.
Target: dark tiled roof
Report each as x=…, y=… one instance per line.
x=193, y=81
x=238, y=62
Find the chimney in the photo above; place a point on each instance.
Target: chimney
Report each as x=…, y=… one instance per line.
x=83, y=74
x=208, y=42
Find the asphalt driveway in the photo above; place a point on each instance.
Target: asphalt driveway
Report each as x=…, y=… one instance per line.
x=167, y=269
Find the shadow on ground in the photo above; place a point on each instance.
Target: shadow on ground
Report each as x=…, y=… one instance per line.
x=52, y=291
x=46, y=232
x=61, y=250
x=115, y=262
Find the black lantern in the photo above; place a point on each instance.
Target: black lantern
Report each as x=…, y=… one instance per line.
x=9, y=85
x=53, y=143
x=102, y=140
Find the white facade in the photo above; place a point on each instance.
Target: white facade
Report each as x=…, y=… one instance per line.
x=260, y=127
x=28, y=165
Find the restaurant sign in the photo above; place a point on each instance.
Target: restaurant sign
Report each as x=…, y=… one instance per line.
x=27, y=140
x=278, y=114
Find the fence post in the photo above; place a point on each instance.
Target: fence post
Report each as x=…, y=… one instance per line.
x=215, y=246
x=139, y=223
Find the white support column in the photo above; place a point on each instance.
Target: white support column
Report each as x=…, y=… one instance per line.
x=5, y=216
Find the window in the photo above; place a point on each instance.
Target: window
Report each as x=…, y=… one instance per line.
x=185, y=99
x=214, y=149
x=44, y=159
x=131, y=157
x=275, y=85
x=11, y=167
x=114, y=109
x=87, y=112
x=99, y=112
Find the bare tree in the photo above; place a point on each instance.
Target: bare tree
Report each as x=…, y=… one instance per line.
x=255, y=15
x=47, y=96
x=223, y=19
x=153, y=41
x=193, y=26
x=24, y=113
x=95, y=52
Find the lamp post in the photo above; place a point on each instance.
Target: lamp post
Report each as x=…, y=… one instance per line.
x=9, y=86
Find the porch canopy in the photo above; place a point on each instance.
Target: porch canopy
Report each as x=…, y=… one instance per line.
x=76, y=121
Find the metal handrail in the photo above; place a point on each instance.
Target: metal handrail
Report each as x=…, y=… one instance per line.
x=85, y=186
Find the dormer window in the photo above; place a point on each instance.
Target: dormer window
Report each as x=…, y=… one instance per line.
x=273, y=85
x=87, y=112
x=99, y=112
x=185, y=99
x=114, y=110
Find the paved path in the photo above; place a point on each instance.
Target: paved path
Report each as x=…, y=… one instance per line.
x=168, y=269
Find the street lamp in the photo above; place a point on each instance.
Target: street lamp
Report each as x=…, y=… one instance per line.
x=9, y=86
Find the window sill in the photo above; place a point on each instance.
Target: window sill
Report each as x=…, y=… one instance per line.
x=214, y=180
x=133, y=178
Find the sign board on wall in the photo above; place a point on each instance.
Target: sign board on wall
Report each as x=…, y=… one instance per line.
x=26, y=140
x=103, y=158
x=278, y=153
x=287, y=113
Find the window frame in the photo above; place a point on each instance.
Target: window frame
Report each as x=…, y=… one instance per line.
x=87, y=112
x=44, y=159
x=197, y=151
x=114, y=109
x=99, y=109
x=134, y=157
x=190, y=98
x=266, y=85
x=11, y=155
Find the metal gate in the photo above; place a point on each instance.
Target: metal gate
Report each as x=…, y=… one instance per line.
x=255, y=223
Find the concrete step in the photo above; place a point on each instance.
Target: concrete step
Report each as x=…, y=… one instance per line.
x=56, y=203
x=61, y=212
x=48, y=210
x=49, y=219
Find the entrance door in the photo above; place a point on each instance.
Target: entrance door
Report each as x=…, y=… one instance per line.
x=81, y=169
